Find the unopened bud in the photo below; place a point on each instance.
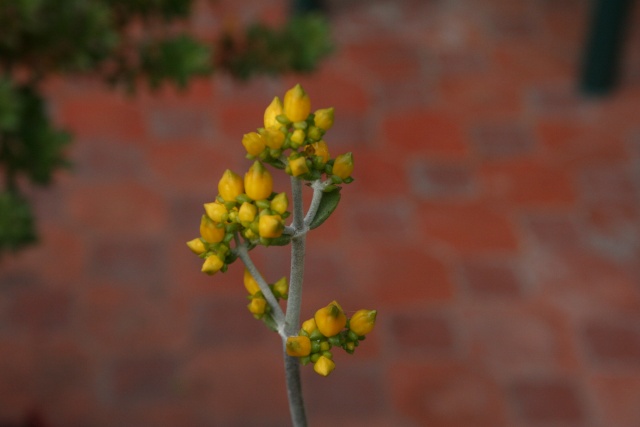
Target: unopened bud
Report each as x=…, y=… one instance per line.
x=250, y=283
x=209, y=230
x=216, y=211
x=257, y=306
x=324, y=366
x=196, y=246
x=258, y=183
x=298, y=346
x=247, y=212
x=323, y=118
x=298, y=166
x=331, y=319
x=297, y=104
x=270, y=226
x=280, y=203
x=321, y=149
x=273, y=138
x=230, y=186
x=362, y=321
x=281, y=288
x=253, y=143
x=343, y=165
x=212, y=264
x=273, y=110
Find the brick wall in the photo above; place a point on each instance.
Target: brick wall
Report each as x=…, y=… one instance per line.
x=494, y=223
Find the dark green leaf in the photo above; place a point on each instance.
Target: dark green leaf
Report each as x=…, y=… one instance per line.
x=328, y=204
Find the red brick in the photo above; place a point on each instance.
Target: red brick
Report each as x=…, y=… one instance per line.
x=386, y=58
x=427, y=132
x=237, y=118
x=41, y=311
x=500, y=140
x=617, y=397
x=616, y=344
x=103, y=114
x=139, y=261
x=468, y=228
x=148, y=377
x=449, y=180
x=179, y=122
x=424, y=334
x=377, y=173
x=118, y=207
x=379, y=221
x=512, y=339
x=446, y=395
x=530, y=183
x=491, y=279
x=551, y=401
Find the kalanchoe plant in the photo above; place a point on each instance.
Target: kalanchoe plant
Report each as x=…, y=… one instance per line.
x=248, y=212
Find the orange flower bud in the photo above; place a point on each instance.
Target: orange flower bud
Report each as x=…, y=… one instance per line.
x=297, y=104
x=270, y=226
x=321, y=149
x=362, y=321
x=331, y=319
x=343, y=165
x=253, y=142
x=324, y=118
x=273, y=110
x=216, y=211
x=299, y=346
x=196, y=246
x=257, y=306
x=258, y=183
x=280, y=203
x=324, y=366
x=247, y=212
x=250, y=283
x=212, y=264
x=298, y=166
x=209, y=230
x=230, y=186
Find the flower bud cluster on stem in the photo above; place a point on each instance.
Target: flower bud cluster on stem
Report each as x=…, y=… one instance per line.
x=248, y=212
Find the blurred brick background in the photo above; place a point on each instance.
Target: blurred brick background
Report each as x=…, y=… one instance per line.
x=494, y=223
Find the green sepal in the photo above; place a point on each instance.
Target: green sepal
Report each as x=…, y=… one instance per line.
x=305, y=360
x=281, y=118
x=300, y=125
x=335, y=340
x=263, y=204
x=316, y=335
x=352, y=336
x=315, y=346
x=271, y=324
x=224, y=268
x=283, y=240
x=348, y=180
x=328, y=204
x=243, y=198
x=336, y=179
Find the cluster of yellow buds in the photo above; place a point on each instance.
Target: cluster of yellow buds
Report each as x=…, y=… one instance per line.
x=329, y=328
x=292, y=139
x=257, y=303
x=248, y=206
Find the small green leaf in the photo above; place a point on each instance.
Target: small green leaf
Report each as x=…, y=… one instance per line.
x=283, y=240
x=328, y=204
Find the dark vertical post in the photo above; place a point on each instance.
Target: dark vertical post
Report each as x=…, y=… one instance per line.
x=604, y=46
x=301, y=7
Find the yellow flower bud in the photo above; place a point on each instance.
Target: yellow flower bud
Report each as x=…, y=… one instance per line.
x=280, y=203
x=253, y=143
x=299, y=346
x=257, y=306
x=250, y=283
x=209, y=230
x=362, y=321
x=273, y=110
x=297, y=104
x=309, y=325
x=258, y=182
x=212, y=264
x=298, y=136
x=324, y=366
x=216, y=211
x=270, y=226
x=321, y=149
x=273, y=138
x=247, y=212
x=298, y=166
x=331, y=319
x=230, y=186
x=324, y=118
x=343, y=165
x=282, y=287
x=196, y=246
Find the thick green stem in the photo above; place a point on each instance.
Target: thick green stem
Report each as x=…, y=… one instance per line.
x=294, y=302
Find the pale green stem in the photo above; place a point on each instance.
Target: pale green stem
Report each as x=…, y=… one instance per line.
x=276, y=311
x=294, y=302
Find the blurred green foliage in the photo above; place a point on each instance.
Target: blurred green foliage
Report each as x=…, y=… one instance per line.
x=123, y=42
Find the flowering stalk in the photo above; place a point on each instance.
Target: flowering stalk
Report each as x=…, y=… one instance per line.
x=248, y=212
